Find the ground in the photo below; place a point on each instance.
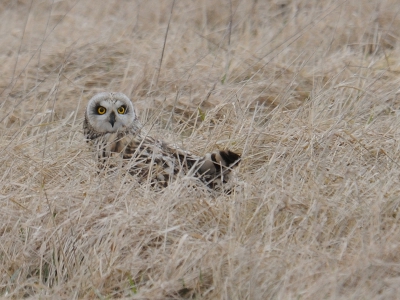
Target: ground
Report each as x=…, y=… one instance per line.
x=306, y=91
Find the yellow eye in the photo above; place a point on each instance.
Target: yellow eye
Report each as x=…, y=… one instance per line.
x=101, y=110
x=121, y=110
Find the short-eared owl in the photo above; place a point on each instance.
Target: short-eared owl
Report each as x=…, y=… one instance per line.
x=112, y=128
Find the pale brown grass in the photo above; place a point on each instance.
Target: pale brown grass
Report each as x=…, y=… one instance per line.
x=306, y=90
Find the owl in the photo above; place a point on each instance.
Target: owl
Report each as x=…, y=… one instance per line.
x=112, y=129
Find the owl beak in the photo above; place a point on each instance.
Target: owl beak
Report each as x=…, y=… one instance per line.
x=112, y=119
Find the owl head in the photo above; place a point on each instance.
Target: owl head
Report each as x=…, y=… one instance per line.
x=110, y=112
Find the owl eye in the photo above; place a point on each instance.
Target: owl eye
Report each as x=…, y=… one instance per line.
x=101, y=110
x=121, y=110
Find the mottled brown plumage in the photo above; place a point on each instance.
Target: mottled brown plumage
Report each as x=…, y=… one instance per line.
x=117, y=134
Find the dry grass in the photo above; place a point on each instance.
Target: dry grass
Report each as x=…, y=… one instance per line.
x=306, y=90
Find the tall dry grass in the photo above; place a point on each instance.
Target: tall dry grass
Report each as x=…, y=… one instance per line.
x=307, y=91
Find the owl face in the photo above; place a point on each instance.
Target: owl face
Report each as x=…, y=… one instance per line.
x=110, y=112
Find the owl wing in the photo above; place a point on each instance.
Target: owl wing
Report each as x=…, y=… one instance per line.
x=154, y=159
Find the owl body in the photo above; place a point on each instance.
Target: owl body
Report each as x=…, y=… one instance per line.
x=112, y=129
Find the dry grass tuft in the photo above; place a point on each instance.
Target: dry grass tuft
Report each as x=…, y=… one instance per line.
x=306, y=90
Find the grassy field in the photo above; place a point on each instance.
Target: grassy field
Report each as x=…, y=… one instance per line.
x=307, y=91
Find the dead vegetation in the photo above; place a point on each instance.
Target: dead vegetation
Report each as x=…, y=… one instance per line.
x=306, y=90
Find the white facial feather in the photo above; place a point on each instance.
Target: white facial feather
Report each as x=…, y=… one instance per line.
x=111, y=120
